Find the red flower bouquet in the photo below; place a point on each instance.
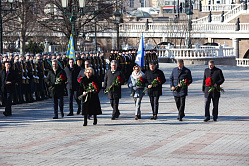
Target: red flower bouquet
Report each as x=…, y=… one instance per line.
x=139, y=83
x=210, y=84
x=63, y=78
x=155, y=83
x=116, y=82
x=92, y=87
x=183, y=83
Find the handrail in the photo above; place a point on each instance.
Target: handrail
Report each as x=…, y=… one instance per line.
x=244, y=62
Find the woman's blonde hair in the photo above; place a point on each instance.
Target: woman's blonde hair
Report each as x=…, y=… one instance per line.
x=90, y=69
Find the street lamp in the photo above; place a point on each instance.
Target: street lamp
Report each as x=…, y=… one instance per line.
x=74, y=15
x=117, y=15
x=1, y=20
x=189, y=14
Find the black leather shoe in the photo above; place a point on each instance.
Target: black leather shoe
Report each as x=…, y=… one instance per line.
x=180, y=119
x=78, y=112
x=139, y=116
x=215, y=119
x=155, y=117
x=206, y=119
x=95, y=122
x=113, y=118
x=85, y=124
x=152, y=118
x=62, y=115
x=70, y=114
x=55, y=117
x=4, y=113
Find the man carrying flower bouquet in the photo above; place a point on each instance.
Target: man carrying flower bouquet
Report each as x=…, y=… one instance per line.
x=56, y=82
x=154, y=78
x=213, y=78
x=180, y=79
x=112, y=85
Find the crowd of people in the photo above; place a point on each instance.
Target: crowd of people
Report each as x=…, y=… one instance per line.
x=54, y=75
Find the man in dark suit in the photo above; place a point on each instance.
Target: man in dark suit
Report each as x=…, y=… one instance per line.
x=217, y=79
x=72, y=71
x=115, y=93
x=8, y=79
x=154, y=91
x=180, y=73
x=57, y=87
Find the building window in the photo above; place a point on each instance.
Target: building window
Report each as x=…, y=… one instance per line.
x=142, y=3
x=132, y=3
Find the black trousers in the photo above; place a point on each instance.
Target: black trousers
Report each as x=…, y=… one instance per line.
x=154, y=104
x=73, y=94
x=180, y=104
x=8, y=101
x=56, y=98
x=215, y=101
x=114, y=103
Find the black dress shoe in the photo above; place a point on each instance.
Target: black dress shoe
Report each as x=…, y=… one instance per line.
x=215, y=119
x=206, y=119
x=180, y=119
x=55, y=117
x=152, y=118
x=78, y=112
x=62, y=115
x=85, y=124
x=70, y=114
x=155, y=117
x=95, y=122
x=139, y=116
x=113, y=118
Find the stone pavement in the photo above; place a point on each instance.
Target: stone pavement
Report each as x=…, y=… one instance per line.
x=32, y=137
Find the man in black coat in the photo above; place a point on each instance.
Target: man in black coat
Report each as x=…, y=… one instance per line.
x=154, y=91
x=217, y=79
x=114, y=93
x=56, y=82
x=180, y=73
x=8, y=79
x=72, y=72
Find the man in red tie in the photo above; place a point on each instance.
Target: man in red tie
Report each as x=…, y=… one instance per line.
x=8, y=79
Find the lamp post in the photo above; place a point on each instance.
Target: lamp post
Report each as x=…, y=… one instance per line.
x=74, y=15
x=117, y=15
x=189, y=14
x=1, y=20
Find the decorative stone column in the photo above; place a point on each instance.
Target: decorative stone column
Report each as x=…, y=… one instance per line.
x=236, y=47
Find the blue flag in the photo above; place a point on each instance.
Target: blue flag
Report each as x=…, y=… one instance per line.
x=140, y=53
x=70, y=49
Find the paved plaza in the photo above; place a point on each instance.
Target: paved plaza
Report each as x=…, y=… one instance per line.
x=32, y=137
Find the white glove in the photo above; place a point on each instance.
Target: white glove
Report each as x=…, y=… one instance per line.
x=134, y=88
x=28, y=77
x=84, y=93
x=45, y=76
x=23, y=78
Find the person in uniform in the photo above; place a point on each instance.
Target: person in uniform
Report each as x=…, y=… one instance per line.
x=18, y=97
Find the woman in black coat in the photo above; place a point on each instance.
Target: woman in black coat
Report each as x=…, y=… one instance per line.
x=91, y=103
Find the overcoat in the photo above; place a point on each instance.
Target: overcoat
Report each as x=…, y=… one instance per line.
x=51, y=78
x=11, y=77
x=132, y=83
x=72, y=74
x=108, y=80
x=92, y=105
x=216, y=77
x=150, y=76
x=176, y=76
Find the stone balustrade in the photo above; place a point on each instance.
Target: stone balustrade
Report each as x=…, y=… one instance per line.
x=218, y=7
x=186, y=53
x=242, y=62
